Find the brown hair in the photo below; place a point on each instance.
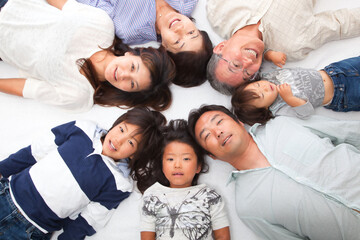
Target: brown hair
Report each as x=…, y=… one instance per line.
x=150, y=124
x=176, y=130
x=245, y=111
x=162, y=72
x=191, y=65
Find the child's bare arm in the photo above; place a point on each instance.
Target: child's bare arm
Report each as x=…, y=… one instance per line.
x=147, y=235
x=222, y=234
x=286, y=94
x=12, y=86
x=278, y=58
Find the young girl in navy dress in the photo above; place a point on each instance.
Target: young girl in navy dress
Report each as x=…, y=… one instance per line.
x=175, y=206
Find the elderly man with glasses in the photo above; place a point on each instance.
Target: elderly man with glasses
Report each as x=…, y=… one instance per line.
x=289, y=28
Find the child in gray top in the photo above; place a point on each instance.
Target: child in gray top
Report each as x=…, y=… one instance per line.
x=297, y=91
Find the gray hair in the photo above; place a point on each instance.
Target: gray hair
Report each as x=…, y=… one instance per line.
x=215, y=83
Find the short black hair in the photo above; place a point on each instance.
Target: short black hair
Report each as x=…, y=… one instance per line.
x=195, y=114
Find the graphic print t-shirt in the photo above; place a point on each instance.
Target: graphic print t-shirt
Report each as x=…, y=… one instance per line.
x=182, y=213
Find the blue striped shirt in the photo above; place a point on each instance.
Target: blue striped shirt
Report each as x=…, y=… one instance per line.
x=134, y=20
x=63, y=181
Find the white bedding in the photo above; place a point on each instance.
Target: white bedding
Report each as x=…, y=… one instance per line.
x=22, y=119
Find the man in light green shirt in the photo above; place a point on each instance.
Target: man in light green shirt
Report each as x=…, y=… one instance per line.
x=295, y=180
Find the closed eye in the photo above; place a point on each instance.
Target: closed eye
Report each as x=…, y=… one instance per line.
x=235, y=65
x=219, y=121
x=206, y=137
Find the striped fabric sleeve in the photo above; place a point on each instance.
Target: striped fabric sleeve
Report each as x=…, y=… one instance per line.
x=40, y=147
x=17, y=162
x=76, y=229
x=92, y=218
x=185, y=7
x=49, y=141
x=99, y=211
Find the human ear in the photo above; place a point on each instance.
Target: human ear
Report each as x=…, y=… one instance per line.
x=212, y=156
x=198, y=169
x=163, y=43
x=241, y=123
x=218, y=48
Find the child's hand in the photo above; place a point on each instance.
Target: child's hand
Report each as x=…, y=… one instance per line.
x=284, y=91
x=286, y=94
x=278, y=58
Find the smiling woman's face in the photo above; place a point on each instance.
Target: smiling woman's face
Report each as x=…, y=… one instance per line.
x=179, y=33
x=128, y=73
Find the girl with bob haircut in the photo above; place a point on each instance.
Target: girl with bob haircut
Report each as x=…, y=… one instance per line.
x=60, y=32
x=80, y=161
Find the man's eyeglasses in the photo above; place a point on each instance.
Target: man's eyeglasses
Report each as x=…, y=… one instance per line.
x=237, y=66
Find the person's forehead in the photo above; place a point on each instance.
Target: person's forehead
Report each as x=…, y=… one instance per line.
x=193, y=44
x=132, y=129
x=207, y=118
x=251, y=86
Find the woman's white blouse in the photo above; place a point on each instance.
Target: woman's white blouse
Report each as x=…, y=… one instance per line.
x=44, y=43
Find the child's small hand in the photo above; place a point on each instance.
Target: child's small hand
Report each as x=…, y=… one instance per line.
x=287, y=95
x=278, y=58
x=284, y=91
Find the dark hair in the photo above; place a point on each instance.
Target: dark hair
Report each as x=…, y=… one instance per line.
x=195, y=114
x=191, y=65
x=245, y=111
x=176, y=130
x=162, y=72
x=150, y=124
x=215, y=83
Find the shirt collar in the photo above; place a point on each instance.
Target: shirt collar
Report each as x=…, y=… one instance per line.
x=97, y=144
x=236, y=173
x=121, y=165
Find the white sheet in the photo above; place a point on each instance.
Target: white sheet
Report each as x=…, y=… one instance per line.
x=22, y=119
